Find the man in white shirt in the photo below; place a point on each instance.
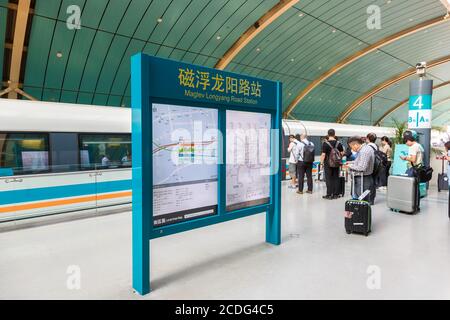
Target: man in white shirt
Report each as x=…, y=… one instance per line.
x=371, y=139
x=293, y=159
x=306, y=155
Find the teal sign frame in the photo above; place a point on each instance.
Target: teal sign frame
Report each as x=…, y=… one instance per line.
x=157, y=80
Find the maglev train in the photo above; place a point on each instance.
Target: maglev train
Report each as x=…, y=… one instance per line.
x=66, y=158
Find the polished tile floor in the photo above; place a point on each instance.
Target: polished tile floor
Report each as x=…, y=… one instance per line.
x=406, y=257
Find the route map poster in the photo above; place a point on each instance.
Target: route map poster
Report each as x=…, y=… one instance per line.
x=248, y=159
x=185, y=163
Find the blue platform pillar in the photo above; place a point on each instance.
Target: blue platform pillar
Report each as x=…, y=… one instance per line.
x=420, y=112
x=141, y=187
x=273, y=216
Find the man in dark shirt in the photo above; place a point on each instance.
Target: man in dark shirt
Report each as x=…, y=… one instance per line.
x=331, y=174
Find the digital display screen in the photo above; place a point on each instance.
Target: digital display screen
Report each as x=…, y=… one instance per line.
x=185, y=163
x=248, y=159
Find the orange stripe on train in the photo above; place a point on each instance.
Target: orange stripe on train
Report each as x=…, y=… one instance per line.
x=63, y=202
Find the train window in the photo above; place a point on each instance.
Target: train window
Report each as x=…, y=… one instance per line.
x=105, y=151
x=23, y=153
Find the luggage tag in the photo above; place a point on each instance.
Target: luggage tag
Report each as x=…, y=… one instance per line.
x=365, y=194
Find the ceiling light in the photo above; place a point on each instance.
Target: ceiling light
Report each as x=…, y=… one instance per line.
x=159, y=20
x=300, y=15
x=258, y=49
x=218, y=37
x=334, y=30
x=292, y=60
x=59, y=54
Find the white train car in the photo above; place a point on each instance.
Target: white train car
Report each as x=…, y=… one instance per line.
x=58, y=158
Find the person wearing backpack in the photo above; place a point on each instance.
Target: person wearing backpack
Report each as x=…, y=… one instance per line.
x=362, y=167
x=416, y=152
x=305, y=162
x=386, y=148
x=331, y=160
x=293, y=159
x=379, y=166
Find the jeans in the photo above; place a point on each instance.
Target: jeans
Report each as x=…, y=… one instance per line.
x=302, y=169
x=368, y=184
x=383, y=175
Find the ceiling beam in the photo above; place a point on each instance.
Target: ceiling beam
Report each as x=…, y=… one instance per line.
x=20, y=29
x=443, y=113
x=263, y=22
x=14, y=7
x=401, y=103
x=355, y=105
x=361, y=53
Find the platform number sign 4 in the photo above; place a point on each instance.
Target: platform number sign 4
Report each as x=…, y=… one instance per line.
x=420, y=112
x=418, y=103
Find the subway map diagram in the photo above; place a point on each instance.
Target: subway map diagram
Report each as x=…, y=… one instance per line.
x=185, y=157
x=184, y=144
x=248, y=159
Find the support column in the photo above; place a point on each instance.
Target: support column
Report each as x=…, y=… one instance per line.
x=420, y=112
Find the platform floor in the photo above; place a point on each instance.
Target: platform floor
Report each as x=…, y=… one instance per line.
x=317, y=259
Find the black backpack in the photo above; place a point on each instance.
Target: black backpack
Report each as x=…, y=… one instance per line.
x=423, y=173
x=309, y=153
x=381, y=161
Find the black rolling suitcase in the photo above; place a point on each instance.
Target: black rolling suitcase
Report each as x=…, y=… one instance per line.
x=442, y=182
x=358, y=214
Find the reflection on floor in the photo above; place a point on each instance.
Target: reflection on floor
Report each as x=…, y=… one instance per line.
x=317, y=259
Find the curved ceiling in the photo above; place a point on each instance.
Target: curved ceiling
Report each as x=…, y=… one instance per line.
x=302, y=42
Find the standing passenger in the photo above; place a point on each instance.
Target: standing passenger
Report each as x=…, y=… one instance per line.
x=293, y=159
x=447, y=157
x=305, y=164
x=362, y=167
x=371, y=139
x=331, y=159
x=386, y=148
x=415, y=153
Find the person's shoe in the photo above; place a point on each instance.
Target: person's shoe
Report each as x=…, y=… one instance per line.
x=291, y=187
x=310, y=192
x=327, y=197
x=300, y=192
x=335, y=197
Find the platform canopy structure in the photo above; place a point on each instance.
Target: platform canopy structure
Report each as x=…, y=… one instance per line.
x=348, y=61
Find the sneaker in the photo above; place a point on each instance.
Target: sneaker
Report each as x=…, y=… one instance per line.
x=291, y=187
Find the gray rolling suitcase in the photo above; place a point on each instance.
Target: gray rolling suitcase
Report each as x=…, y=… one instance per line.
x=403, y=194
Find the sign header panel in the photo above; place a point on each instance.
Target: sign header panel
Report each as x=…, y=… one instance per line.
x=182, y=81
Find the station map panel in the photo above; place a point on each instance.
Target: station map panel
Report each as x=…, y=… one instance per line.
x=185, y=158
x=248, y=159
